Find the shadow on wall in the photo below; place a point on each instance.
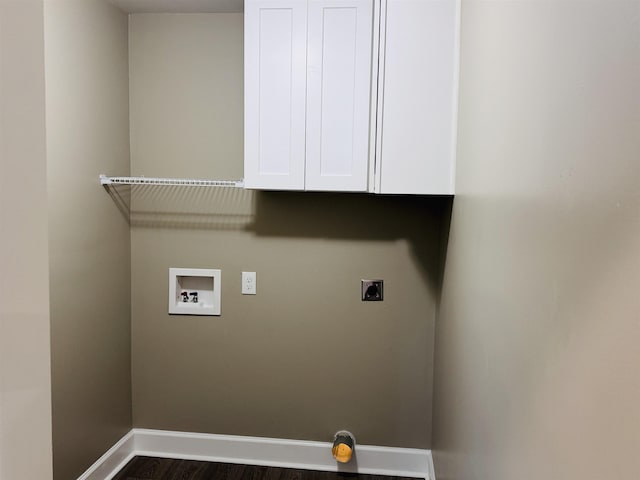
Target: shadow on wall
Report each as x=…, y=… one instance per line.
x=190, y=208
x=420, y=220
x=423, y=221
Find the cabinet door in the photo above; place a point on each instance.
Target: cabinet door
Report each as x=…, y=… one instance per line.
x=339, y=56
x=419, y=83
x=275, y=94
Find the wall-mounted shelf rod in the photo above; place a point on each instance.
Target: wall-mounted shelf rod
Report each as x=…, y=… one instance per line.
x=185, y=182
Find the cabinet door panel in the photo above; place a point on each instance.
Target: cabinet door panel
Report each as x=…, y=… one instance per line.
x=275, y=93
x=338, y=94
x=417, y=149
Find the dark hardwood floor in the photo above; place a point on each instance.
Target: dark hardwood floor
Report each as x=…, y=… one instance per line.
x=150, y=468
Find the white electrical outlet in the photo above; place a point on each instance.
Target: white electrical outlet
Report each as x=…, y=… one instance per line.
x=248, y=283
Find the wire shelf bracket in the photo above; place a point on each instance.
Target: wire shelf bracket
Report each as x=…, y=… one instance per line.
x=183, y=182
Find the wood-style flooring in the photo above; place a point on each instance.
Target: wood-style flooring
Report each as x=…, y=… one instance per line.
x=150, y=468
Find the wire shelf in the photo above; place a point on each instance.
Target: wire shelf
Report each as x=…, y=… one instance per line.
x=184, y=182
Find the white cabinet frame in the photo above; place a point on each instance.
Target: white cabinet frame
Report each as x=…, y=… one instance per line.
x=417, y=97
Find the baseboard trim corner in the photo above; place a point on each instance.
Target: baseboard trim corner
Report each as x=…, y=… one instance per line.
x=113, y=460
x=301, y=454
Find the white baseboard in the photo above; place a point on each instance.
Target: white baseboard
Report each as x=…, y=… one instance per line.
x=112, y=462
x=368, y=459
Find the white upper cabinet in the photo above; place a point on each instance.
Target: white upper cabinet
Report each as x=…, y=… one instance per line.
x=351, y=95
x=338, y=94
x=275, y=75
x=418, y=92
x=307, y=94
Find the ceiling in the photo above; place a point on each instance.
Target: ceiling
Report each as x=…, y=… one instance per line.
x=180, y=6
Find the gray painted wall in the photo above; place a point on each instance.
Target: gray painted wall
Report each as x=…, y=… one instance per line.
x=89, y=241
x=304, y=357
x=25, y=378
x=537, y=338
